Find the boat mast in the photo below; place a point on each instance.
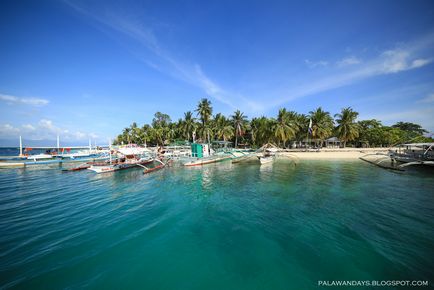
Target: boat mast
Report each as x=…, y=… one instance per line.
x=110, y=151
x=58, y=143
x=90, y=145
x=21, y=146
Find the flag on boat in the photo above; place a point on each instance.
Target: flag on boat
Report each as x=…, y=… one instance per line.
x=310, y=126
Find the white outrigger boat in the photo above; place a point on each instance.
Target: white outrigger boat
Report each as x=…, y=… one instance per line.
x=405, y=155
x=268, y=156
x=413, y=154
x=130, y=156
x=266, y=159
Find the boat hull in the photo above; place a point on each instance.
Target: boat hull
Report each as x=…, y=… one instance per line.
x=201, y=162
x=116, y=167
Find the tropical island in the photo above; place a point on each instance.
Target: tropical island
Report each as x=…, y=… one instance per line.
x=289, y=129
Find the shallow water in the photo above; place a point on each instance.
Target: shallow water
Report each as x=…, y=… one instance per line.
x=220, y=226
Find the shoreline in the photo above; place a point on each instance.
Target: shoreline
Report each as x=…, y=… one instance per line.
x=333, y=153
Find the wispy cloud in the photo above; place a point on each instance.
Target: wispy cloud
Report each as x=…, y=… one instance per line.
x=315, y=64
x=400, y=59
x=191, y=73
x=427, y=99
x=352, y=60
x=13, y=100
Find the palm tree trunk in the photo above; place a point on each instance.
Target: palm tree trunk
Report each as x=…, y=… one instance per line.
x=236, y=138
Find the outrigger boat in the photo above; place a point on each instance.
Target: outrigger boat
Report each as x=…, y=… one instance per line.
x=413, y=154
x=266, y=159
x=268, y=155
x=40, y=157
x=207, y=160
x=202, y=154
x=405, y=155
x=131, y=156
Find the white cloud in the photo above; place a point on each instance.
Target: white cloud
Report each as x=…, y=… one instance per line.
x=44, y=129
x=315, y=64
x=352, y=60
x=427, y=99
x=8, y=130
x=13, y=100
x=29, y=127
x=398, y=60
x=420, y=62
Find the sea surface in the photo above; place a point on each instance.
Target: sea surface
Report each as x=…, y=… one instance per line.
x=221, y=226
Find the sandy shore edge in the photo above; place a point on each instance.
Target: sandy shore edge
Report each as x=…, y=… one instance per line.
x=334, y=154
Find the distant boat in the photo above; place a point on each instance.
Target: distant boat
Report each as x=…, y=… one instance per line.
x=79, y=154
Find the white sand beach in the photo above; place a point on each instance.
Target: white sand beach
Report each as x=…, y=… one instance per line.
x=330, y=154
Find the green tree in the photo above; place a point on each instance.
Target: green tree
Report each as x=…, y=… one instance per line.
x=285, y=127
x=188, y=125
x=322, y=124
x=347, y=129
x=204, y=111
x=240, y=124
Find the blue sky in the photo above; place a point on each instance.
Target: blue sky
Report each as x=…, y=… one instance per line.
x=89, y=68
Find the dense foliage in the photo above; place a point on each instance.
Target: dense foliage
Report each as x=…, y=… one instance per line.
x=287, y=129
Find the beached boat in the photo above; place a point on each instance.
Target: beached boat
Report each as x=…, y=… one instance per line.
x=413, y=154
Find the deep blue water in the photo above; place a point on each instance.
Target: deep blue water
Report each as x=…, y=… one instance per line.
x=220, y=226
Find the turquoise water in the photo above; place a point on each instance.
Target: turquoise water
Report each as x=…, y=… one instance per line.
x=220, y=226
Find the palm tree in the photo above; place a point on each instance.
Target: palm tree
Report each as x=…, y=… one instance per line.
x=347, y=128
x=126, y=135
x=189, y=125
x=285, y=127
x=322, y=124
x=222, y=127
x=204, y=111
x=240, y=124
x=261, y=130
